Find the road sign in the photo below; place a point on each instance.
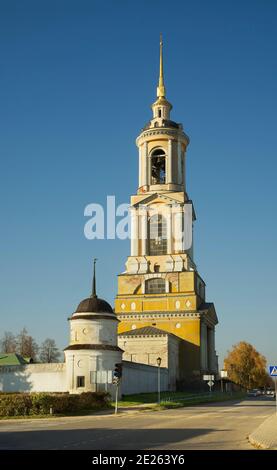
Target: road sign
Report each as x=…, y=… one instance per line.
x=210, y=383
x=223, y=374
x=208, y=377
x=273, y=371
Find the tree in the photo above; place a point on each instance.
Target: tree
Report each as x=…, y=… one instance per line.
x=26, y=345
x=8, y=343
x=246, y=366
x=49, y=351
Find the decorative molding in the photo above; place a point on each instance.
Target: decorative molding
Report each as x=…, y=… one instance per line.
x=93, y=317
x=102, y=347
x=137, y=316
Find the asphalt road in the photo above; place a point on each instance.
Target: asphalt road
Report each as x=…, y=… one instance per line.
x=215, y=426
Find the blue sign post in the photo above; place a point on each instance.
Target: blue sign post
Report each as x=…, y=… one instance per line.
x=273, y=373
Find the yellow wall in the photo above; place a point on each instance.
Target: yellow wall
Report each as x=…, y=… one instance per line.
x=189, y=329
x=183, y=282
x=155, y=303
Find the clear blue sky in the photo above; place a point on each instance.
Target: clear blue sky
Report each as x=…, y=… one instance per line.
x=77, y=81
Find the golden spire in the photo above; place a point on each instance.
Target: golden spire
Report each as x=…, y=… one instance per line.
x=161, y=87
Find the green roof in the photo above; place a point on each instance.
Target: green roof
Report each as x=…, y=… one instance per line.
x=11, y=359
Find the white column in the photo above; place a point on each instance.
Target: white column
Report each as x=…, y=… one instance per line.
x=169, y=231
x=144, y=164
x=184, y=171
x=178, y=230
x=188, y=229
x=140, y=166
x=169, y=163
x=70, y=371
x=143, y=231
x=134, y=232
x=179, y=153
x=92, y=368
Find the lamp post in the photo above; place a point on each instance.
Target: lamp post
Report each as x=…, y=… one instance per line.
x=223, y=375
x=159, y=360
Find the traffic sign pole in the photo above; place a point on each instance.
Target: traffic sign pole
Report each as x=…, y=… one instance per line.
x=117, y=374
x=276, y=393
x=116, y=399
x=273, y=373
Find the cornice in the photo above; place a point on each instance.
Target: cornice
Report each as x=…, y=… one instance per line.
x=177, y=133
x=137, y=316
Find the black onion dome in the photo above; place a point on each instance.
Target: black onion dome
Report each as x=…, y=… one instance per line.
x=94, y=305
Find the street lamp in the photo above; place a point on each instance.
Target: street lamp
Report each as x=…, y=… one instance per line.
x=159, y=360
x=223, y=375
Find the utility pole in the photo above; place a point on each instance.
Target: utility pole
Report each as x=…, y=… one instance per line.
x=159, y=360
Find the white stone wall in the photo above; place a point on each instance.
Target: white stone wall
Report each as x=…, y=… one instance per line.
x=33, y=378
x=97, y=331
x=137, y=378
x=141, y=378
x=146, y=350
x=84, y=362
x=173, y=361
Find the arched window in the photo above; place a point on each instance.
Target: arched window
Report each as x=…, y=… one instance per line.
x=156, y=268
x=157, y=235
x=158, y=167
x=155, y=286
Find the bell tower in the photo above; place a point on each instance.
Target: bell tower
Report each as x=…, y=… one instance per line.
x=161, y=286
x=162, y=147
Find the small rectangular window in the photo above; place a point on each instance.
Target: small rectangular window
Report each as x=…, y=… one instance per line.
x=80, y=381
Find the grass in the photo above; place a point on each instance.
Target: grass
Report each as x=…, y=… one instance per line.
x=177, y=399
x=144, y=398
x=214, y=397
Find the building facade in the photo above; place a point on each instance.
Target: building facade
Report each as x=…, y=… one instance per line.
x=161, y=286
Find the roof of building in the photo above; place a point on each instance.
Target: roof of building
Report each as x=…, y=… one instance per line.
x=12, y=359
x=145, y=331
x=94, y=305
x=206, y=305
x=103, y=347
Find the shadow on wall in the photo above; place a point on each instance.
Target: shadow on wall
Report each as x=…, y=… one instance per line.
x=189, y=358
x=15, y=379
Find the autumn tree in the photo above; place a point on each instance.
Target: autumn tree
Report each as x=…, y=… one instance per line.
x=49, y=351
x=26, y=345
x=246, y=366
x=8, y=343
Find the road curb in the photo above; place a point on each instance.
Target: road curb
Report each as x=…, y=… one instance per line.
x=265, y=436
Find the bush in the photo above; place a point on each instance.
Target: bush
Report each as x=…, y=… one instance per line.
x=20, y=404
x=15, y=405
